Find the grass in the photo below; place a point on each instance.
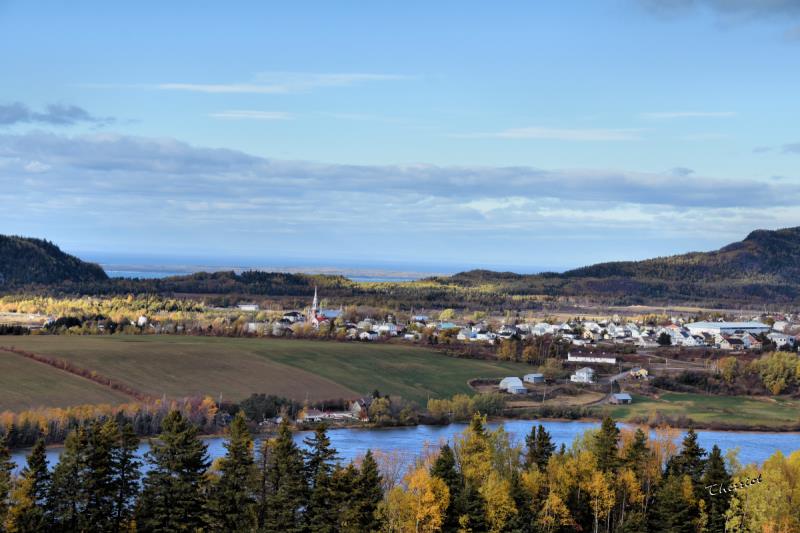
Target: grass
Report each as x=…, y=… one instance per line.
x=178, y=366
x=727, y=410
x=26, y=384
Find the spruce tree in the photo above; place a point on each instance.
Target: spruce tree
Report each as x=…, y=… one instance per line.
x=98, y=483
x=283, y=483
x=671, y=513
x=367, y=494
x=715, y=474
x=66, y=498
x=444, y=467
x=605, y=445
x=690, y=461
x=6, y=470
x=233, y=500
x=27, y=513
x=125, y=471
x=320, y=457
x=540, y=448
x=174, y=496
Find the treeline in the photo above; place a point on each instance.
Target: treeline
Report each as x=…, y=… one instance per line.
x=53, y=424
x=609, y=480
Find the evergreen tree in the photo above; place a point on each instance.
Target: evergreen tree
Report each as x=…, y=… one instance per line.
x=671, y=513
x=65, y=500
x=523, y=520
x=6, y=470
x=445, y=469
x=320, y=457
x=473, y=509
x=690, y=461
x=716, y=474
x=367, y=494
x=173, y=498
x=540, y=448
x=605, y=445
x=233, y=500
x=333, y=499
x=283, y=484
x=637, y=454
x=98, y=482
x=125, y=472
x=27, y=513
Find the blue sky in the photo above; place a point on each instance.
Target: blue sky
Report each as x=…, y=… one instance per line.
x=521, y=134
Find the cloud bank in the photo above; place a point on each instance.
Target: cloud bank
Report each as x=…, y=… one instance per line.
x=54, y=114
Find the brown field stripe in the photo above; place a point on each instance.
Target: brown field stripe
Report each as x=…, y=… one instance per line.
x=91, y=375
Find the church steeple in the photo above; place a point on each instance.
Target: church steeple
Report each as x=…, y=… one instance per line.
x=315, y=303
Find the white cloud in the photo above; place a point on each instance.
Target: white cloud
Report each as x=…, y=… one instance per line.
x=244, y=114
x=667, y=115
x=559, y=134
x=282, y=83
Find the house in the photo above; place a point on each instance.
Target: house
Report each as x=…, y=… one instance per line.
x=311, y=415
x=781, y=339
x=780, y=325
x=360, y=408
x=583, y=375
x=448, y=325
x=512, y=385
x=388, y=328
x=368, y=336
x=620, y=398
x=533, y=378
x=247, y=307
x=750, y=342
x=638, y=372
x=293, y=316
x=591, y=357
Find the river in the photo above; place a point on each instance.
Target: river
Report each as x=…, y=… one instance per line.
x=407, y=442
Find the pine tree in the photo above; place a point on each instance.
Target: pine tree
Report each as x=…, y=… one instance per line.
x=173, y=498
x=125, y=471
x=445, y=469
x=283, y=484
x=605, y=445
x=6, y=470
x=540, y=448
x=233, y=499
x=716, y=474
x=27, y=513
x=523, y=520
x=65, y=500
x=367, y=494
x=473, y=509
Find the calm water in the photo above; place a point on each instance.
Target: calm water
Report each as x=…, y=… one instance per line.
x=409, y=441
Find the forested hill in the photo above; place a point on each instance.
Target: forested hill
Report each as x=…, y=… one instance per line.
x=762, y=268
x=25, y=260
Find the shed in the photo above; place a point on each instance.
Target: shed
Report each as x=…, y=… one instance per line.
x=512, y=385
x=534, y=378
x=620, y=398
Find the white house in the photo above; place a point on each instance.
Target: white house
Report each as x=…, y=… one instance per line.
x=368, y=335
x=781, y=339
x=247, y=307
x=533, y=378
x=583, y=375
x=591, y=359
x=512, y=385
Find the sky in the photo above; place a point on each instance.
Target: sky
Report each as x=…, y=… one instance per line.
x=520, y=135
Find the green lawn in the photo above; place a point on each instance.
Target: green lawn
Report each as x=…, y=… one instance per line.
x=720, y=409
x=235, y=367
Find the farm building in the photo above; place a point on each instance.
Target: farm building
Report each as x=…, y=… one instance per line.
x=512, y=385
x=533, y=378
x=620, y=398
x=727, y=327
x=583, y=375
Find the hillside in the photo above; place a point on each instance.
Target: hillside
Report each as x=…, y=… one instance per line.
x=26, y=261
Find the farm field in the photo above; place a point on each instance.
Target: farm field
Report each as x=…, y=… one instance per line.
x=733, y=410
x=178, y=366
x=26, y=384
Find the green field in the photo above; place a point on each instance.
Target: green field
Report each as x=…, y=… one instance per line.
x=23, y=384
x=178, y=366
x=730, y=410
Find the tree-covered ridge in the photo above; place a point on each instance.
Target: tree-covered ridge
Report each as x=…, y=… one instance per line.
x=25, y=260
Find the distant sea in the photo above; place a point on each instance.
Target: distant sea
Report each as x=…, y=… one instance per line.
x=149, y=267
